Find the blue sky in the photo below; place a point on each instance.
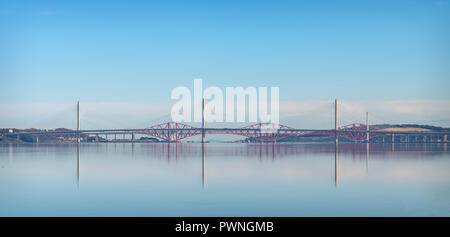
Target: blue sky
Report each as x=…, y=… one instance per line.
x=138, y=51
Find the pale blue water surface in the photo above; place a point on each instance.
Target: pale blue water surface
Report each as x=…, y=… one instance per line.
x=231, y=179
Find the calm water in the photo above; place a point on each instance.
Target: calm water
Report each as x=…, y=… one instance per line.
x=231, y=180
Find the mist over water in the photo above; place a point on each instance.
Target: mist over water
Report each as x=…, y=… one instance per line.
x=226, y=179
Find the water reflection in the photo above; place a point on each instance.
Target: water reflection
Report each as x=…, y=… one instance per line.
x=367, y=156
x=203, y=165
x=10, y=153
x=243, y=179
x=78, y=165
x=272, y=151
x=168, y=152
x=336, y=146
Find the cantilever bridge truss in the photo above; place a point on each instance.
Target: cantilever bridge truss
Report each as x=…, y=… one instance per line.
x=264, y=132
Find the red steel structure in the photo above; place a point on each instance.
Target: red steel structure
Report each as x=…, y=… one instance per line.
x=355, y=132
x=172, y=131
x=263, y=132
x=268, y=132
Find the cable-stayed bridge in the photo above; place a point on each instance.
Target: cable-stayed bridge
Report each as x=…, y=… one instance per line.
x=262, y=132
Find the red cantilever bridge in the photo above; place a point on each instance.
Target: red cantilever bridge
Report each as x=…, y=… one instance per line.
x=264, y=132
x=269, y=132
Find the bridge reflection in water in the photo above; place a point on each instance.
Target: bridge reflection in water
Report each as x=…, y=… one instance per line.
x=224, y=179
x=264, y=152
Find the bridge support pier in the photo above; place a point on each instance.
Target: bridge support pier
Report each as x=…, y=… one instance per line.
x=203, y=121
x=78, y=122
x=336, y=138
x=367, y=127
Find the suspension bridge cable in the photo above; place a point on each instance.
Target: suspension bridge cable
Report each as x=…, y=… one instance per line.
x=58, y=117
